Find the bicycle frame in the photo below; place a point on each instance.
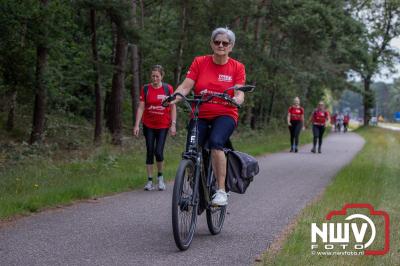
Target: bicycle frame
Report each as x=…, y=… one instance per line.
x=195, y=153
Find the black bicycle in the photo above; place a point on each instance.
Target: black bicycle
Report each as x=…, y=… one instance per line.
x=195, y=182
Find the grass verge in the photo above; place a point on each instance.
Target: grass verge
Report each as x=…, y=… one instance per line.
x=372, y=177
x=35, y=183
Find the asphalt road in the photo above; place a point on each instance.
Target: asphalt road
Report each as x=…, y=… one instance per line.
x=134, y=228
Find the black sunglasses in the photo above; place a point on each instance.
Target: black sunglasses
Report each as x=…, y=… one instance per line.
x=224, y=44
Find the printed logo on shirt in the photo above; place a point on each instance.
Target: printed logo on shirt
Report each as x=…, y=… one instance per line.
x=224, y=78
x=156, y=108
x=161, y=97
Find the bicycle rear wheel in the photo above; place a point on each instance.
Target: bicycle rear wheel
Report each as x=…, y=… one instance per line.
x=215, y=214
x=184, y=214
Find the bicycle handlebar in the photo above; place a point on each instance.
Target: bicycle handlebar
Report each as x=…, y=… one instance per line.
x=224, y=96
x=201, y=99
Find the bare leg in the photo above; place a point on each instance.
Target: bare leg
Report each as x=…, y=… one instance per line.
x=149, y=168
x=218, y=160
x=160, y=166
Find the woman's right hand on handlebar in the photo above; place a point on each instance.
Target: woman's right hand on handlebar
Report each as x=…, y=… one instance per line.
x=172, y=99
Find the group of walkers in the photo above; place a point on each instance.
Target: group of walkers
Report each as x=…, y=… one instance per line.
x=319, y=118
x=340, y=122
x=295, y=119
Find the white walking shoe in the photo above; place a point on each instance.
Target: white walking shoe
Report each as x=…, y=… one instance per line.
x=149, y=186
x=220, y=198
x=161, y=184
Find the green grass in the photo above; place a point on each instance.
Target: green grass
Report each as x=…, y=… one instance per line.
x=372, y=177
x=36, y=182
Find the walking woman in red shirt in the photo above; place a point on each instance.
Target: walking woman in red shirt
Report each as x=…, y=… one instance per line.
x=319, y=118
x=213, y=74
x=295, y=120
x=157, y=120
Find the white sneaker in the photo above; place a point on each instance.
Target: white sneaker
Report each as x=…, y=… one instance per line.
x=220, y=198
x=149, y=186
x=161, y=184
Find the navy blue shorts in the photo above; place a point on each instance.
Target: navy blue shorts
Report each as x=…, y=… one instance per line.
x=217, y=131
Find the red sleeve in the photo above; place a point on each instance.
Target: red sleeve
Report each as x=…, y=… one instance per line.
x=240, y=78
x=289, y=110
x=193, y=71
x=328, y=115
x=141, y=97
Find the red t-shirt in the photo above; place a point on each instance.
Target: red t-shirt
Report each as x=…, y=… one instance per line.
x=333, y=119
x=319, y=117
x=296, y=112
x=216, y=78
x=346, y=119
x=155, y=115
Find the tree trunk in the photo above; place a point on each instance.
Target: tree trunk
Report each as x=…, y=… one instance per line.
x=107, y=98
x=134, y=58
x=182, y=38
x=258, y=22
x=245, y=24
x=271, y=105
x=250, y=115
x=12, y=96
x=141, y=14
x=40, y=96
x=41, y=90
x=97, y=85
x=368, y=100
x=118, y=86
x=141, y=54
x=11, y=111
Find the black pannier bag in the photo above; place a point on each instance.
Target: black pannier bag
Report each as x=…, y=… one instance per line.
x=241, y=168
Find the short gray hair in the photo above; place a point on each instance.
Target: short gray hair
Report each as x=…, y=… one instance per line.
x=225, y=31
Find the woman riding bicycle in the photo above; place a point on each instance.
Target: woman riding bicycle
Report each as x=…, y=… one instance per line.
x=213, y=74
x=157, y=120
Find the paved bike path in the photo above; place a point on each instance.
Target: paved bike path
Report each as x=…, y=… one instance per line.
x=134, y=228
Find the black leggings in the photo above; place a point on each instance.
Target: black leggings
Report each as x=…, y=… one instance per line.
x=295, y=129
x=318, y=132
x=345, y=127
x=155, y=140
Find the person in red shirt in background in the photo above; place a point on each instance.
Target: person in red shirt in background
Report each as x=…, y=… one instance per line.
x=295, y=119
x=157, y=120
x=333, y=121
x=319, y=118
x=346, y=121
x=214, y=74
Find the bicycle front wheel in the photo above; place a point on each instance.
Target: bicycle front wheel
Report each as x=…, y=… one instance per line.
x=184, y=213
